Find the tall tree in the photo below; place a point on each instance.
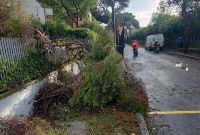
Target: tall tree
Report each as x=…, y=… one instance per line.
x=100, y=15
x=72, y=9
x=128, y=19
x=164, y=8
x=185, y=6
x=189, y=12
x=115, y=5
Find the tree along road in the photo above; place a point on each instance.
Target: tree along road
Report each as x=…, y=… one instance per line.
x=173, y=90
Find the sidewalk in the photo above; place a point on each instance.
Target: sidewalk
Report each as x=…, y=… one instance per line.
x=193, y=53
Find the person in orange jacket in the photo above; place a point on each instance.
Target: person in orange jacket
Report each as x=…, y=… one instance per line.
x=135, y=48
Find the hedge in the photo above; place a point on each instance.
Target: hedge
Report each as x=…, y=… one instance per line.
x=58, y=31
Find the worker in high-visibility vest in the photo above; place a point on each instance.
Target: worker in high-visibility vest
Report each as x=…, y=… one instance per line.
x=135, y=48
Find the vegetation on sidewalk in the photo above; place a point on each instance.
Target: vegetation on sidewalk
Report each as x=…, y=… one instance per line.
x=136, y=99
x=99, y=94
x=109, y=120
x=103, y=83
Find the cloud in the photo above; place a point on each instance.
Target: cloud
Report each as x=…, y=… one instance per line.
x=143, y=10
x=144, y=17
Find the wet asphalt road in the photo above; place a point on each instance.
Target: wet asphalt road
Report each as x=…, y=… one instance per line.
x=169, y=88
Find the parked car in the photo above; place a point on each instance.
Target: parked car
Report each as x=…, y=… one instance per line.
x=151, y=39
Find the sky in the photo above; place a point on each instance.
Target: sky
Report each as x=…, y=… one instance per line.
x=143, y=10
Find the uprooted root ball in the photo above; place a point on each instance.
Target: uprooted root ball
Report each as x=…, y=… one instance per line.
x=50, y=97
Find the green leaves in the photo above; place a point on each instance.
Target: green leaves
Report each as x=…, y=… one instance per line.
x=166, y=24
x=73, y=9
x=103, y=83
x=13, y=21
x=30, y=67
x=58, y=31
x=128, y=19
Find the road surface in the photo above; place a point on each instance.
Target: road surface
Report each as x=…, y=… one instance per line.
x=170, y=89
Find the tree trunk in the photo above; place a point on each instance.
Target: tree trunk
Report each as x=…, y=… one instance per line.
x=77, y=13
x=184, y=21
x=68, y=12
x=77, y=19
x=184, y=10
x=113, y=19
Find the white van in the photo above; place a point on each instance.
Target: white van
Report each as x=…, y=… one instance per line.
x=151, y=40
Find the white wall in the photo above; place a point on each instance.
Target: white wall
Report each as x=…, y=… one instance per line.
x=20, y=104
x=32, y=7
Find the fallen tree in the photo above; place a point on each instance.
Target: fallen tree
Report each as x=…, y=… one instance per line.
x=50, y=97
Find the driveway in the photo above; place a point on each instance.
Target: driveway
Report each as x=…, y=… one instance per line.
x=173, y=90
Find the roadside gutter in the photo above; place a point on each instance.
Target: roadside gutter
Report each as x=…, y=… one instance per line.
x=143, y=126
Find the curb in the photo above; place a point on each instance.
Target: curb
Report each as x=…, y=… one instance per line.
x=142, y=124
x=124, y=65
x=187, y=56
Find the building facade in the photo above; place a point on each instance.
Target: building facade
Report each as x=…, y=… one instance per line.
x=34, y=8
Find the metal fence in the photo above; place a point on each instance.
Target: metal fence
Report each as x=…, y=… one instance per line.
x=13, y=49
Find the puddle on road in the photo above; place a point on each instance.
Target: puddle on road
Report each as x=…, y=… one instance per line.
x=135, y=64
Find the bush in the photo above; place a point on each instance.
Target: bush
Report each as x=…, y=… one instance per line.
x=30, y=67
x=132, y=103
x=36, y=23
x=95, y=26
x=103, y=83
x=58, y=31
x=102, y=46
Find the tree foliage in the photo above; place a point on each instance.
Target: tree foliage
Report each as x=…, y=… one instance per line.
x=103, y=81
x=13, y=21
x=190, y=15
x=59, y=31
x=173, y=26
x=166, y=24
x=128, y=19
x=71, y=9
x=115, y=5
x=119, y=5
x=102, y=16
